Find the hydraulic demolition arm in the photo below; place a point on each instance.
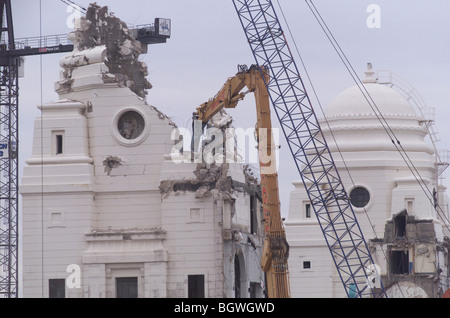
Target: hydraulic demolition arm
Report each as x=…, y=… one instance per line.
x=274, y=261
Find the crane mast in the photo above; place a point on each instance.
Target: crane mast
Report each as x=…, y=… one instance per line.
x=8, y=158
x=323, y=184
x=274, y=260
x=12, y=52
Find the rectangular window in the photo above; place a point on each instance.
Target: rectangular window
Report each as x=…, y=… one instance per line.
x=56, y=219
x=56, y=288
x=196, y=215
x=409, y=205
x=59, y=144
x=126, y=287
x=253, y=215
x=399, y=262
x=400, y=225
x=196, y=286
x=255, y=289
x=307, y=210
x=307, y=265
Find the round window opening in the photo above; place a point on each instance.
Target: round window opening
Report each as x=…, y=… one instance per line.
x=359, y=197
x=131, y=125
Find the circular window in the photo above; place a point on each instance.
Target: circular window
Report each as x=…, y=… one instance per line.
x=359, y=197
x=131, y=124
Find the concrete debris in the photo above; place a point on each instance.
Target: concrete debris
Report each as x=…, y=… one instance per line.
x=166, y=187
x=414, y=230
x=134, y=230
x=215, y=175
x=163, y=116
x=211, y=179
x=66, y=83
x=221, y=120
x=237, y=236
x=208, y=177
x=203, y=192
x=110, y=163
x=101, y=28
x=78, y=59
x=250, y=175
x=210, y=172
x=422, y=250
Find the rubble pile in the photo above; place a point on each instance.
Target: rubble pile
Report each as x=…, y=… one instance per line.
x=101, y=28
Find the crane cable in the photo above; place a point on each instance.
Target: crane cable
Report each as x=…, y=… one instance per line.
x=322, y=110
x=327, y=122
x=383, y=121
x=355, y=78
x=74, y=5
x=378, y=114
x=42, y=153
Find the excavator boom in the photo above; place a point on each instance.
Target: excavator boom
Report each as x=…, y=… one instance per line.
x=274, y=261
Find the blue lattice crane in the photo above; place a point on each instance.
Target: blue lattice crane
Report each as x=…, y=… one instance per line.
x=309, y=148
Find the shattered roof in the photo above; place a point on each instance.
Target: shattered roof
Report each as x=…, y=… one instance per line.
x=101, y=28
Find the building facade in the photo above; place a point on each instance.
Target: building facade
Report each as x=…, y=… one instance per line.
x=107, y=212
x=405, y=222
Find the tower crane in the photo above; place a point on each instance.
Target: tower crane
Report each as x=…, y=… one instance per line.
x=12, y=52
x=274, y=261
x=317, y=169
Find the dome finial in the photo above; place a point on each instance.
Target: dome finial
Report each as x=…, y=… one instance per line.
x=370, y=75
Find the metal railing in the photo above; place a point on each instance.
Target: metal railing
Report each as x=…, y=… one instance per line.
x=62, y=39
x=37, y=42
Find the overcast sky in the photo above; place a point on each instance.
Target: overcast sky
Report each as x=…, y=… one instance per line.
x=208, y=43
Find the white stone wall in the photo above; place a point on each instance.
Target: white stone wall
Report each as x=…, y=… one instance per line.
x=71, y=201
x=56, y=198
x=191, y=243
x=98, y=204
x=202, y=235
x=373, y=163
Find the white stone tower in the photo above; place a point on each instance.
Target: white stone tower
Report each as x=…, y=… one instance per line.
x=106, y=213
x=397, y=217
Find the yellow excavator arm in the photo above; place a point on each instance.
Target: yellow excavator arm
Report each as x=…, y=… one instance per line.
x=274, y=261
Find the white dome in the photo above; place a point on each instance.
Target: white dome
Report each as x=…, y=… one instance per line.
x=351, y=102
x=357, y=127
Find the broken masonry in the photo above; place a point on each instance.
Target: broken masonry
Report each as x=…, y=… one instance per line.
x=101, y=28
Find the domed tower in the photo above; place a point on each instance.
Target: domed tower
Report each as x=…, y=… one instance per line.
x=389, y=171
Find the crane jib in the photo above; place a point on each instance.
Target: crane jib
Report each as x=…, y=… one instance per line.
x=311, y=154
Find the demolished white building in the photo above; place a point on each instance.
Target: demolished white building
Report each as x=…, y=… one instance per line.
x=107, y=212
x=405, y=226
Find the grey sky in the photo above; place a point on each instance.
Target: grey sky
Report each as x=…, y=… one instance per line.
x=208, y=43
